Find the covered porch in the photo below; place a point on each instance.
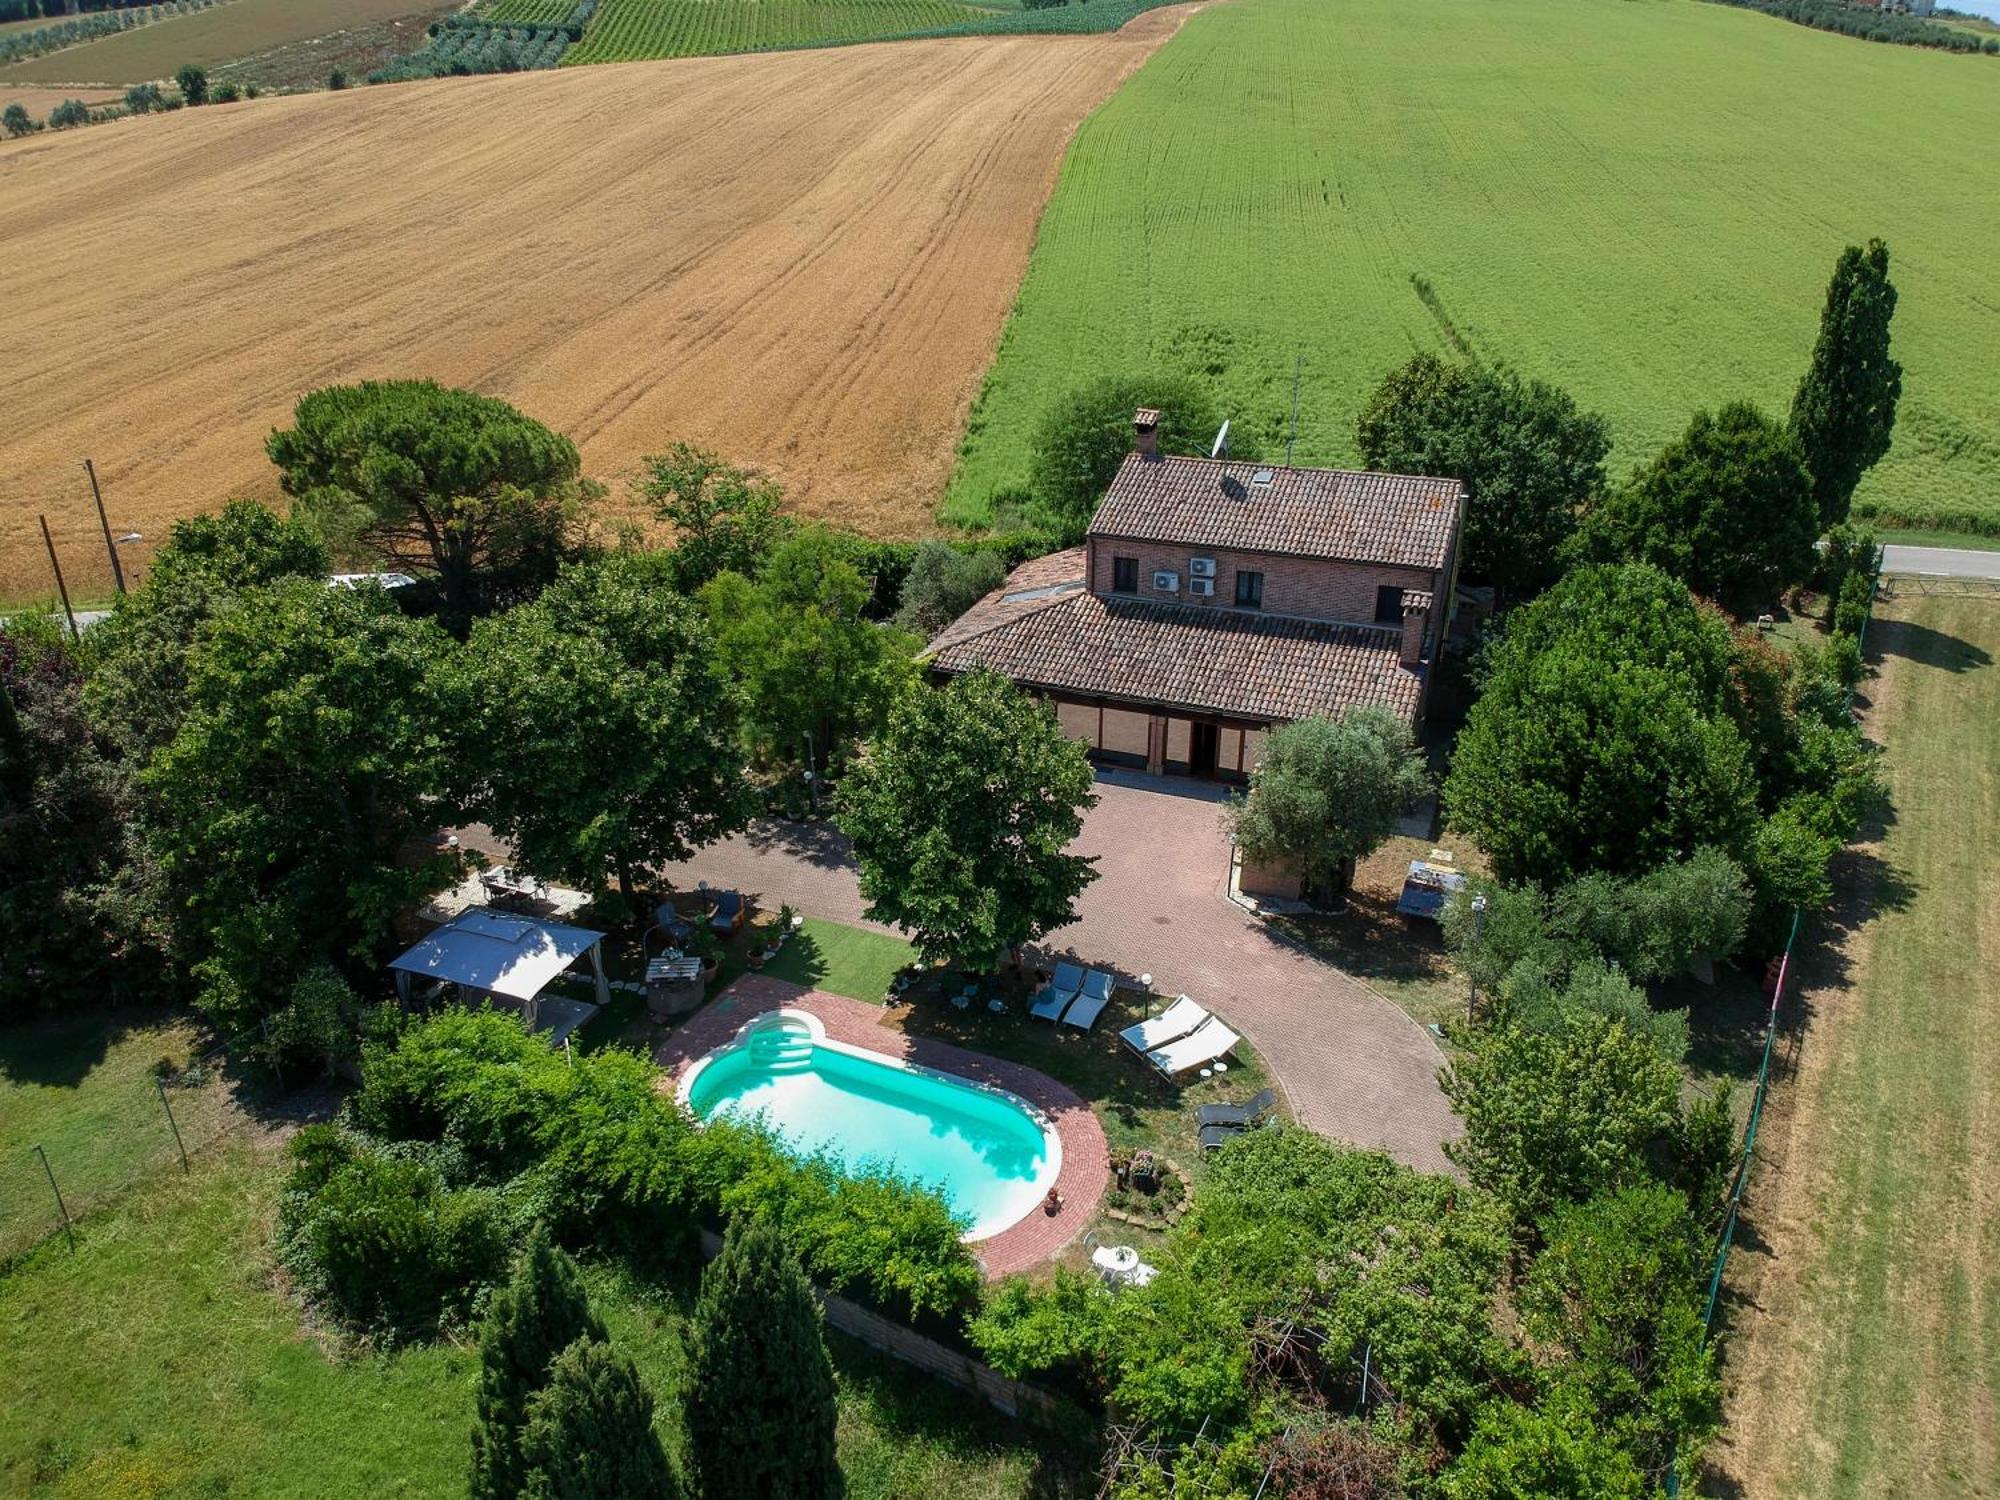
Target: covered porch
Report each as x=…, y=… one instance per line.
x=507, y=961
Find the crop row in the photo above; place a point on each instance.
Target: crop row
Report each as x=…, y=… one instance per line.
x=88, y=28
x=479, y=48
x=629, y=29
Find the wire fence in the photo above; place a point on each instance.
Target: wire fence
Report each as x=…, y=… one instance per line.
x=140, y=1115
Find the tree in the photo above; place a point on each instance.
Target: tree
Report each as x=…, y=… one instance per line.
x=1845, y=409
x=817, y=675
x=18, y=121
x=540, y=1312
x=69, y=113
x=1550, y=1452
x=760, y=1405
x=962, y=815
x=193, y=83
x=602, y=735
x=437, y=480
x=1603, y=738
x=225, y=92
x=1084, y=435
x=589, y=1433
x=1556, y=1116
x=943, y=583
x=1529, y=457
x=337, y=79
x=724, y=518
x=143, y=98
x=310, y=758
x=1327, y=792
x=1727, y=508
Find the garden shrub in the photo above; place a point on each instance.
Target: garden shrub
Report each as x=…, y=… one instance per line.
x=1065, y=1329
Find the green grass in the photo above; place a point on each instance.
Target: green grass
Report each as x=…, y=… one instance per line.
x=163, y=1358
x=527, y=12
x=842, y=960
x=1638, y=201
x=625, y=30
x=1868, y=1361
x=1913, y=537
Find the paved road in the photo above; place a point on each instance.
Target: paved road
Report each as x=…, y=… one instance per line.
x=1949, y=562
x=1354, y=1066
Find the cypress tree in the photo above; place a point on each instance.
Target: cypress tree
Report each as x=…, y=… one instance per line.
x=589, y=1433
x=1845, y=408
x=539, y=1313
x=760, y=1409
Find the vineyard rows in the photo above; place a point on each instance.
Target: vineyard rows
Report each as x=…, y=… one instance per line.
x=629, y=29
x=526, y=12
x=88, y=28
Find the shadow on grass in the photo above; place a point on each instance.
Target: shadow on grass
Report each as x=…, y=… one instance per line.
x=1925, y=646
x=61, y=1054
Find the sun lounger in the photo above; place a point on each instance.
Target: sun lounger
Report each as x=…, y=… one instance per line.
x=1204, y=1045
x=1177, y=1020
x=1215, y=1137
x=1097, y=987
x=1057, y=993
x=1238, y=1115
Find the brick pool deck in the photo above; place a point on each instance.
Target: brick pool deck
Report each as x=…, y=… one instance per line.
x=1084, y=1166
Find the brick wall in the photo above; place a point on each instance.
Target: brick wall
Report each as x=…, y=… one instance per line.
x=1301, y=586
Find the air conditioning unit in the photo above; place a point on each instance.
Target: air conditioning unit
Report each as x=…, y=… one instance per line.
x=1202, y=588
x=1201, y=567
x=1166, y=583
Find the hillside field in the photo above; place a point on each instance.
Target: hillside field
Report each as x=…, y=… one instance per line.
x=210, y=37
x=802, y=260
x=1640, y=201
x=1866, y=1290
x=626, y=29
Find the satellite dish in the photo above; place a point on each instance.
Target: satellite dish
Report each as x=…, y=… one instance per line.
x=1221, y=448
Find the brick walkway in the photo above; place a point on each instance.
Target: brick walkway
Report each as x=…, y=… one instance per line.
x=1081, y=1181
x=1353, y=1065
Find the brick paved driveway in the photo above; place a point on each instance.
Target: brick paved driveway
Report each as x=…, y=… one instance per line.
x=1354, y=1066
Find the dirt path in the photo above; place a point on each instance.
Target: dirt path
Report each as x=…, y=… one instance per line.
x=1865, y=1360
x=801, y=259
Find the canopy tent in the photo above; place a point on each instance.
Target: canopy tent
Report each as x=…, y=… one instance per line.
x=497, y=954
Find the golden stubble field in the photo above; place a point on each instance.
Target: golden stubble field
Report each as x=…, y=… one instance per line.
x=802, y=260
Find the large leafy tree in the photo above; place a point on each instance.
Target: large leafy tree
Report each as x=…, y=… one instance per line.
x=817, y=675
x=1085, y=433
x=312, y=754
x=603, y=734
x=1603, y=738
x=436, y=480
x=541, y=1311
x=962, y=817
x=1554, y=1116
x=1727, y=508
x=589, y=1432
x=1845, y=409
x=760, y=1407
x=943, y=583
x=1327, y=792
x=725, y=519
x=1529, y=456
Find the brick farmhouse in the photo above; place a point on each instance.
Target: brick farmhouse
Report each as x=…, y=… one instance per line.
x=1212, y=599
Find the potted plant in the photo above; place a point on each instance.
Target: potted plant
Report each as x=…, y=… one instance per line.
x=705, y=946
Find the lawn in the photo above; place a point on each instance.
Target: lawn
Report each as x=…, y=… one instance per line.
x=1640, y=202
x=164, y=1358
x=1866, y=1360
x=842, y=960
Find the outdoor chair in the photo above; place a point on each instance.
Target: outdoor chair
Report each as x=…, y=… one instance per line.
x=1177, y=1020
x=1242, y=1116
x=730, y=909
x=1057, y=993
x=1097, y=988
x=1209, y=1041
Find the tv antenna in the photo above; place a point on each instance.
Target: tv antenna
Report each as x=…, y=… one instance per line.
x=1292, y=437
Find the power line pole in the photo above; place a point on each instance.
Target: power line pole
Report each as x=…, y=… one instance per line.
x=61, y=588
x=110, y=547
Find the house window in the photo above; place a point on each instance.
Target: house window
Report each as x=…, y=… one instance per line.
x=1124, y=575
x=1389, y=604
x=1249, y=590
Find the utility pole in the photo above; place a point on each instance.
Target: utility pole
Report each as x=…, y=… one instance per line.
x=110, y=547
x=61, y=588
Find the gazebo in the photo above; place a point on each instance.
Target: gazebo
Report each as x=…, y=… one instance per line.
x=508, y=960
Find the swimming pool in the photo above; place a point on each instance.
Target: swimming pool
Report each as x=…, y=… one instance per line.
x=990, y=1154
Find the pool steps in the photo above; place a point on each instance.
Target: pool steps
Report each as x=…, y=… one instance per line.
x=782, y=1049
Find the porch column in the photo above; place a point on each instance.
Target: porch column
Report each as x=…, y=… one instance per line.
x=1156, y=745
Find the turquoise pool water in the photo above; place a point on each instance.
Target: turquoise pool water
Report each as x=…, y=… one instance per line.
x=982, y=1150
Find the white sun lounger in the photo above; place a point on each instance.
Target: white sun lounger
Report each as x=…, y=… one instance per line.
x=1204, y=1045
x=1057, y=993
x=1097, y=987
x=1177, y=1020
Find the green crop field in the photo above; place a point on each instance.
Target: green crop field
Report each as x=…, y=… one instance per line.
x=1640, y=201
x=624, y=30
x=527, y=12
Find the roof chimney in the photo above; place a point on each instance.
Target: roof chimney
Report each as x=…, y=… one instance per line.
x=1146, y=432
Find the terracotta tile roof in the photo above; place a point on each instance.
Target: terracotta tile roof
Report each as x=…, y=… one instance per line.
x=1045, y=631
x=1328, y=513
x=1416, y=599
